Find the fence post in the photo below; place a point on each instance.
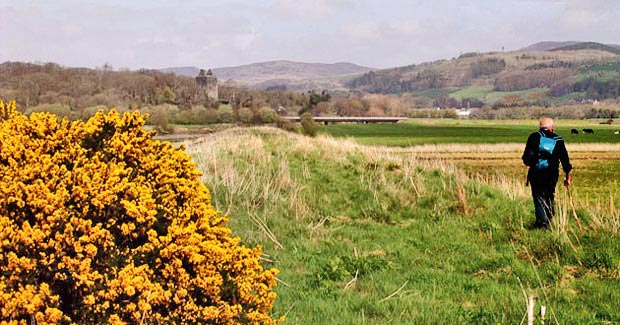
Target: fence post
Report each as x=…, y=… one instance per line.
x=530, y=310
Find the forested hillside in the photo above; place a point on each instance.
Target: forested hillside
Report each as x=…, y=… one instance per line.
x=79, y=92
x=581, y=71
x=570, y=74
x=33, y=84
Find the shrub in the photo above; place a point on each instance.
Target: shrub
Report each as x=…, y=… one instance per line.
x=268, y=115
x=289, y=127
x=196, y=115
x=246, y=115
x=100, y=224
x=468, y=55
x=57, y=109
x=308, y=126
x=161, y=117
x=89, y=112
x=432, y=113
x=161, y=120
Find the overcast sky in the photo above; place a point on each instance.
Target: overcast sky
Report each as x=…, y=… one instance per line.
x=218, y=33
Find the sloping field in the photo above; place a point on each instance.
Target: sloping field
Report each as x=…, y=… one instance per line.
x=374, y=235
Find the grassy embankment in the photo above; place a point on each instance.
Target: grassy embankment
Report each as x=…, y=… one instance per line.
x=373, y=235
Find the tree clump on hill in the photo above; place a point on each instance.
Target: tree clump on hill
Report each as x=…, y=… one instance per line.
x=487, y=67
x=527, y=79
x=100, y=224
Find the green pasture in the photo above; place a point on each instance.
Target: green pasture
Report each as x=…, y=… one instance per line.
x=486, y=94
x=483, y=93
x=423, y=131
x=477, y=91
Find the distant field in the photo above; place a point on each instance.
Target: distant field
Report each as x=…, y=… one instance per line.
x=597, y=170
x=486, y=94
x=596, y=175
x=479, y=92
x=423, y=131
x=434, y=92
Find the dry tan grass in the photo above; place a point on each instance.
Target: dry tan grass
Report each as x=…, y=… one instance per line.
x=500, y=147
x=248, y=144
x=266, y=179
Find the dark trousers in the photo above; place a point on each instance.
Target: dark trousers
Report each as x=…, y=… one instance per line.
x=543, y=193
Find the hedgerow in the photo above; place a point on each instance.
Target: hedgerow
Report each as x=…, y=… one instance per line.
x=101, y=224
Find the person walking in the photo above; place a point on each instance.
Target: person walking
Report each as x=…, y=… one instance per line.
x=543, y=154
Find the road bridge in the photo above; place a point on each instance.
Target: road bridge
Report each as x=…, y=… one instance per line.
x=348, y=119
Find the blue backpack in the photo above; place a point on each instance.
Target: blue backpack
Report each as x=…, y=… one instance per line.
x=545, y=150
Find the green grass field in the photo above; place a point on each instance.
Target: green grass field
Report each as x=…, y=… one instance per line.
x=486, y=94
x=423, y=131
x=434, y=92
x=373, y=235
x=479, y=92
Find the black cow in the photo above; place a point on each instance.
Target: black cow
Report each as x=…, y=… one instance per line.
x=588, y=131
x=574, y=131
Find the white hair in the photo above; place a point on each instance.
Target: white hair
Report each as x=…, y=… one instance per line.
x=546, y=122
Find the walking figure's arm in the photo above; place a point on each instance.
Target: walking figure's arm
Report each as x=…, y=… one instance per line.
x=568, y=179
x=530, y=154
x=566, y=166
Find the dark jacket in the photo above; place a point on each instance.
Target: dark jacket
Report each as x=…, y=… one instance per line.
x=559, y=155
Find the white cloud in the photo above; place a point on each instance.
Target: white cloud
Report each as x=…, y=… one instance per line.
x=364, y=31
x=224, y=33
x=309, y=8
x=591, y=14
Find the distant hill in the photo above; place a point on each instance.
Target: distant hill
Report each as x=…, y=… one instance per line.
x=272, y=73
x=548, y=46
x=590, y=46
x=571, y=45
x=568, y=71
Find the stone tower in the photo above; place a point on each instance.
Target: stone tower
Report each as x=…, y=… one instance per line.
x=208, y=83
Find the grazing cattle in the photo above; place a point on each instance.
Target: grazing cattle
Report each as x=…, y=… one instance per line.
x=617, y=132
x=588, y=131
x=574, y=131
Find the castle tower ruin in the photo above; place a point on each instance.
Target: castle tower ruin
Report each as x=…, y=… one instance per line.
x=208, y=83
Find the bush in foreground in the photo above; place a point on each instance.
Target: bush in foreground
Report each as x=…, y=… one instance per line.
x=100, y=224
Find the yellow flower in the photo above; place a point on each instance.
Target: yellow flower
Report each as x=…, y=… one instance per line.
x=108, y=214
x=89, y=300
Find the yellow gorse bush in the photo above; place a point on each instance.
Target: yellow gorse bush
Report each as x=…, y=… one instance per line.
x=100, y=224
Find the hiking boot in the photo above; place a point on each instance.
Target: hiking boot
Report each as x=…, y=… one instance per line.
x=538, y=225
